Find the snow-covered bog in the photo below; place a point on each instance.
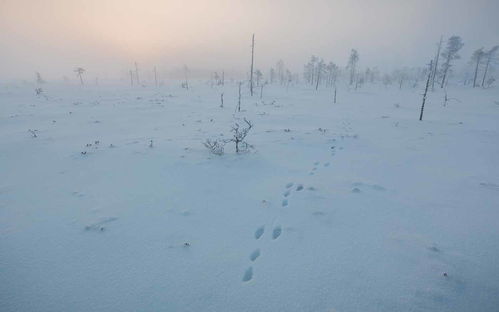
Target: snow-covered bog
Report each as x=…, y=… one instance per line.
x=109, y=201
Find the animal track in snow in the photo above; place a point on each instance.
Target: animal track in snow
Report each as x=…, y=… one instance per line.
x=99, y=226
x=284, y=202
x=248, y=274
x=299, y=187
x=259, y=232
x=286, y=194
x=289, y=185
x=255, y=254
x=360, y=185
x=276, y=232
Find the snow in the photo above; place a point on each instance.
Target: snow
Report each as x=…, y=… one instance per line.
x=353, y=206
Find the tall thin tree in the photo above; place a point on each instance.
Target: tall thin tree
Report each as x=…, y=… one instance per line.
x=435, y=66
x=454, y=44
x=477, y=58
x=426, y=90
x=155, y=77
x=137, y=73
x=252, y=60
x=490, y=57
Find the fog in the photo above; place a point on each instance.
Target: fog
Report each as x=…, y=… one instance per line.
x=107, y=37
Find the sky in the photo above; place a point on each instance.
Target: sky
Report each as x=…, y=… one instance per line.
x=106, y=37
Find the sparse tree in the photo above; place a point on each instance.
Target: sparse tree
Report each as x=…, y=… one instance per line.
x=454, y=44
x=252, y=61
x=476, y=58
x=155, y=77
x=259, y=76
x=79, y=72
x=490, y=58
x=137, y=73
x=320, y=71
x=239, y=135
x=352, y=64
x=435, y=64
x=239, y=98
x=39, y=78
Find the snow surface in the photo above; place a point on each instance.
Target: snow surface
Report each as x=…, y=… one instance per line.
x=365, y=214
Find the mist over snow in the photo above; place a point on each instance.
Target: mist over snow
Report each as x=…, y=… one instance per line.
x=53, y=36
x=265, y=155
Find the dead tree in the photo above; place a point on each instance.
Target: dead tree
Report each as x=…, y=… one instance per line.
x=320, y=70
x=252, y=58
x=39, y=78
x=335, y=95
x=215, y=147
x=454, y=44
x=352, y=64
x=221, y=100
x=426, y=91
x=186, y=72
x=435, y=66
x=137, y=73
x=239, y=135
x=477, y=58
x=490, y=56
x=155, y=77
x=239, y=98
x=79, y=72
x=131, y=78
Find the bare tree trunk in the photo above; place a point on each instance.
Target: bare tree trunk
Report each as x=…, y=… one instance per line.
x=435, y=67
x=131, y=78
x=252, y=58
x=81, y=79
x=425, y=92
x=155, y=77
x=486, y=69
x=221, y=100
x=476, y=71
x=223, y=78
x=261, y=91
x=318, y=78
x=137, y=73
x=447, y=65
x=334, y=95
x=239, y=100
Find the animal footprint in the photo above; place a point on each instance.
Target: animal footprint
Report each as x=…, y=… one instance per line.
x=259, y=232
x=326, y=164
x=284, y=202
x=290, y=184
x=255, y=254
x=299, y=187
x=286, y=194
x=276, y=232
x=248, y=274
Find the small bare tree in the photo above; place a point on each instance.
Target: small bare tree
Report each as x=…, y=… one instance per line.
x=239, y=136
x=39, y=79
x=215, y=147
x=79, y=72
